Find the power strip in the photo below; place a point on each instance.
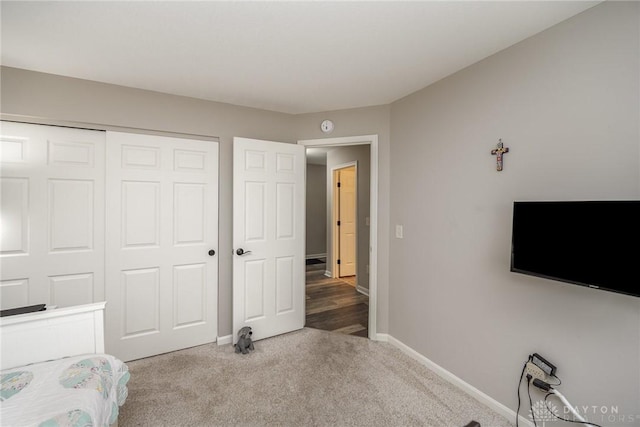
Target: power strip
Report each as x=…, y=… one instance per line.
x=535, y=372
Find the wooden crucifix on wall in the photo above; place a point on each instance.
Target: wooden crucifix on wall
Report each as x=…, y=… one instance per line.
x=499, y=151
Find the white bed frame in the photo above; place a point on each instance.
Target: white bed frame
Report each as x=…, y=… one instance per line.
x=51, y=334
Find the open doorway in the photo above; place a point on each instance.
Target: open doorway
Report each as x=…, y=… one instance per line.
x=338, y=262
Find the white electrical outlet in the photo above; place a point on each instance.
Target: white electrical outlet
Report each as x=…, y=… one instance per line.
x=535, y=372
x=399, y=231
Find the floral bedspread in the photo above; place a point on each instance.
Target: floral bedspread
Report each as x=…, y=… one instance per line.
x=77, y=391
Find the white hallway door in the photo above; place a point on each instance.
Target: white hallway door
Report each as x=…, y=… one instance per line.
x=51, y=216
x=268, y=237
x=162, y=234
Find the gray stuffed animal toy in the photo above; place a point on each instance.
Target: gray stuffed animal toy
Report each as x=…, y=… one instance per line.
x=244, y=340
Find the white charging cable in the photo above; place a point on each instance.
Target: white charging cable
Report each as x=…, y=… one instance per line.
x=571, y=408
x=550, y=390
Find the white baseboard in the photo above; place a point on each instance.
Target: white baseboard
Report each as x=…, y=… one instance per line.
x=311, y=256
x=328, y=273
x=363, y=291
x=461, y=384
x=227, y=339
x=382, y=337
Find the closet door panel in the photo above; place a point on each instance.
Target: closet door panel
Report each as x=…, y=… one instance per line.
x=162, y=222
x=52, y=182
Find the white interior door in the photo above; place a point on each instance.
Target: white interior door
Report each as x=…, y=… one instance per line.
x=162, y=217
x=52, y=215
x=347, y=217
x=268, y=237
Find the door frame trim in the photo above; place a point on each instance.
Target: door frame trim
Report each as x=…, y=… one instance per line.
x=372, y=141
x=38, y=120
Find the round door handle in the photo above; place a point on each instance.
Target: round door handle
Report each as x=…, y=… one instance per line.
x=241, y=251
x=212, y=252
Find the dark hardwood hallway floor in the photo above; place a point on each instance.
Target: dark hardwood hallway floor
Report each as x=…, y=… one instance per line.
x=335, y=305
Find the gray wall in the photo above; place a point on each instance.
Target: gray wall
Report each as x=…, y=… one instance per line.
x=316, y=209
x=67, y=99
x=55, y=99
x=340, y=156
x=566, y=103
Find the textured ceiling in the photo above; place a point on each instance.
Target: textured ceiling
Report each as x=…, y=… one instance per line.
x=293, y=57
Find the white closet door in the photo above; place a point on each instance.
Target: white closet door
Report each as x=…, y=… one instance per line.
x=52, y=215
x=162, y=222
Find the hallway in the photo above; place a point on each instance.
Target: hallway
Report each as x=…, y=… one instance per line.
x=334, y=305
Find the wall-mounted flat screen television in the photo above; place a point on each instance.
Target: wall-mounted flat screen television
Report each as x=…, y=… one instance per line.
x=589, y=243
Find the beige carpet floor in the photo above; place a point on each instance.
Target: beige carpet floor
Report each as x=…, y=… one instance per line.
x=304, y=378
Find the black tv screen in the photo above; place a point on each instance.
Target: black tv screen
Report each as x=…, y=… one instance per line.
x=589, y=243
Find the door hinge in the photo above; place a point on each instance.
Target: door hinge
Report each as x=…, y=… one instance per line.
x=338, y=223
x=338, y=185
x=338, y=262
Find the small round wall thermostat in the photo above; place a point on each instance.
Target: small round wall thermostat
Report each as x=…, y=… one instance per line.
x=326, y=126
